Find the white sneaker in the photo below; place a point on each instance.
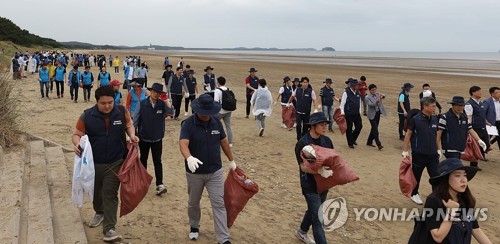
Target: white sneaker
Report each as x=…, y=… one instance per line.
x=261, y=132
x=294, y=125
x=416, y=199
x=160, y=189
x=194, y=234
x=283, y=125
x=304, y=237
x=185, y=113
x=230, y=144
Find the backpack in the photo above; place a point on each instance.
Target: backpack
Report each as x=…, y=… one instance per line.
x=228, y=100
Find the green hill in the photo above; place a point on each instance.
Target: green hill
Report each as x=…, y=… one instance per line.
x=11, y=32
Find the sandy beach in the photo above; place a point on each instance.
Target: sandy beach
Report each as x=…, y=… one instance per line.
x=273, y=215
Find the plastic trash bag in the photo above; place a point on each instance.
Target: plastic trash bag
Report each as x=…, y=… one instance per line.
x=407, y=181
x=134, y=179
x=288, y=115
x=83, y=174
x=340, y=120
x=238, y=189
x=472, y=151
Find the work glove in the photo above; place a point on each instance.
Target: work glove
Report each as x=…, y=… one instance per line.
x=193, y=163
x=325, y=172
x=288, y=105
x=315, y=111
x=405, y=154
x=232, y=165
x=482, y=145
x=186, y=95
x=440, y=153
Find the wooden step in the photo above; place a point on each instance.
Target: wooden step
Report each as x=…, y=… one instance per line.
x=67, y=222
x=11, y=176
x=40, y=229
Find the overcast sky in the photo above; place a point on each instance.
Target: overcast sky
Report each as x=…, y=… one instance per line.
x=347, y=25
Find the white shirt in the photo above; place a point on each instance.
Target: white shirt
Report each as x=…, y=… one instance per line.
x=497, y=108
x=218, y=98
x=282, y=89
x=130, y=73
x=469, y=110
x=344, y=100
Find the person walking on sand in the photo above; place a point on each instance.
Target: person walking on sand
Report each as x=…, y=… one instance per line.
x=474, y=108
x=176, y=90
x=350, y=106
x=261, y=101
x=192, y=90
x=129, y=73
x=284, y=94
x=403, y=107
x=149, y=120
x=492, y=110
x=116, y=65
x=327, y=95
x=427, y=92
x=252, y=83
x=453, y=129
x=167, y=74
x=224, y=115
x=60, y=79
x=135, y=96
x=315, y=136
x=74, y=82
x=88, y=83
x=142, y=75
x=105, y=126
x=304, y=96
x=375, y=109
x=209, y=80
x=44, y=78
x=116, y=87
x=32, y=65
x=104, y=77
x=422, y=134
x=362, y=92
x=52, y=72
x=201, y=139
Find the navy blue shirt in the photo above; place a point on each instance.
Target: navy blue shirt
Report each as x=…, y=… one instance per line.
x=423, y=138
x=455, y=130
x=307, y=181
x=204, y=142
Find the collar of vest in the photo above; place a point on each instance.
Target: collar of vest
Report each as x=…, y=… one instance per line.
x=95, y=112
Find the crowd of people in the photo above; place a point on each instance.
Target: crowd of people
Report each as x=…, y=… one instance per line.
x=431, y=135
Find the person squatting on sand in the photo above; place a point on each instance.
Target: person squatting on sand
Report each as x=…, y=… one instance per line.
x=316, y=136
x=204, y=165
x=103, y=124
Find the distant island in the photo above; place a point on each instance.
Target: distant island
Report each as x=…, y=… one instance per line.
x=328, y=49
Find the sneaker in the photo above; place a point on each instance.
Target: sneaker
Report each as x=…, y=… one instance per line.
x=185, y=113
x=96, y=221
x=112, y=236
x=227, y=242
x=416, y=199
x=194, y=233
x=283, y=125
x=261, y=132
x=160, y=189
x=231, y=145
x=294, y=125
x=304, y=237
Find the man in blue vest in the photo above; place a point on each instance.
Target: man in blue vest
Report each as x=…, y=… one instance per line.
x=201, y=139
x=327, y=95
x=88, y=83
x=74, y=81
x=453, y=129
x=176, y=90
x=105, y=124
x=305, y=97
x=104, y=77
x=60, y=78
x=422, y=133
x=150, y=123
x=476, y=114
x=192, y=90
x=403, y=107
x=350, y=107
x=209, y=81
x=252, y=83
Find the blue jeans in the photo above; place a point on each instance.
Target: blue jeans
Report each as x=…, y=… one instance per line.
x=328, y=110
x=46, y=85
x=311, y=216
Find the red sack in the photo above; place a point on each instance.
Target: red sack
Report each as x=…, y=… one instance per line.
x=135, y=181
x=407, y=181
x=472, y=151
x=288, y=115
x=342, y=173
x=238, y=189
x=340, y=119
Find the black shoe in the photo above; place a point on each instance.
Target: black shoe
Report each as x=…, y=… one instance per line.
x=370, y=145
x=351, y=146
x=380, y=147
x=401, y=138
x=227, y=242
x=355, y=143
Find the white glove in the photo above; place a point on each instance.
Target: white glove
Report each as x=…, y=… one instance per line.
x=440, y=153
x=232, y=165
x=275, y=103
x=309, y=150
x=315, y=111
x=325, y=172
x=186, y=95
x=288, y=105
x=405, y=154
x=482, y=144
x=193, y=163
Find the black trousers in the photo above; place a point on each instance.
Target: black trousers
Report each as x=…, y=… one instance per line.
x=352, y=135
x=452, y=155
x=86, y=92
x=421, y=161
x=176, y=101
x=483, y=134
x=60, y=87
x=249, y=97
x=186, y=102
x=156, y=150
x=302, y=124
x=374, y=134
x=73, y=90
x=402, y=119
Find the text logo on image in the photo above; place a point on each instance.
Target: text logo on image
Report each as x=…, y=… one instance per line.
x=333, y=213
